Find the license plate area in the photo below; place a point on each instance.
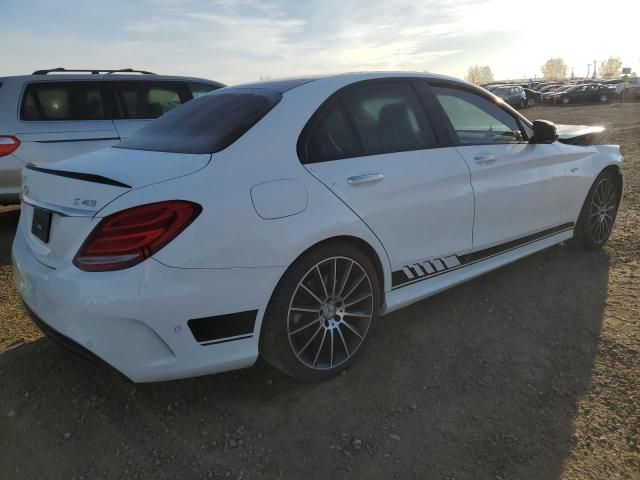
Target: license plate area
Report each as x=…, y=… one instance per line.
x=41, y=224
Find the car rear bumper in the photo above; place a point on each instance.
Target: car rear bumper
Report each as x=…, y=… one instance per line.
x=137, y=320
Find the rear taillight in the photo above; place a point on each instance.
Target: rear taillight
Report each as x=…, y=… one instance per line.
x=128, y=237
x=8, y=145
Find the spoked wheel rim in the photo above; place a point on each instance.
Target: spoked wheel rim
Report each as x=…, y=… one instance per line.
x=603, y=98
x=330, y=313
x=566, y=100
x=602, y=213
x=531, y=102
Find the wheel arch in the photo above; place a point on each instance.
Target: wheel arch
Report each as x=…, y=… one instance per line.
x=357, y=242
x=617, y=171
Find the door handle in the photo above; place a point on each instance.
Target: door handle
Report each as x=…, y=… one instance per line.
x=362, y=179
x=485, y=159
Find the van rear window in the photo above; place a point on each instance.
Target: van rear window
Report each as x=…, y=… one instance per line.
x=207, y=124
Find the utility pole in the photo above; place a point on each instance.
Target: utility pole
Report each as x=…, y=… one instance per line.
x=594, y=68
x=588, y=70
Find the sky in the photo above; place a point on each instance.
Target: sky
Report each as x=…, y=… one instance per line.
x=236, y=41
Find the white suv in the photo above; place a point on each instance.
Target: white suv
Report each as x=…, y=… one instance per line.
x=46, y=117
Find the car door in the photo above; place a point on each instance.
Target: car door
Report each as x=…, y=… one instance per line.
x=374, y=145
x=138, y=102
x=59, y=119
x=582, y=94
x=518, y=186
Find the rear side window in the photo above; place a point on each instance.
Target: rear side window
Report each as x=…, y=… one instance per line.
x=389, y=117
x=199, y=89
x=57, y=101
x=207, y=124
x=147, y=100
x=331, y=137
x=368, y=119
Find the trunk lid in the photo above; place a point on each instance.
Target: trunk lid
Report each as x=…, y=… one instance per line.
x=74, y=191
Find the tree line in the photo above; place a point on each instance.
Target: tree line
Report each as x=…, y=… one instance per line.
x=552, y=69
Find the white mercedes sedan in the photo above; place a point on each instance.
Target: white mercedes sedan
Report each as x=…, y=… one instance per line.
x=284, y=218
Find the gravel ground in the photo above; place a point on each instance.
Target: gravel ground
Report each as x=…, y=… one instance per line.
x=530, y=372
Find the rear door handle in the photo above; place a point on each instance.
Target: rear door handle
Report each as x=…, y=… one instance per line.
x=485, y=159
x=362, y=179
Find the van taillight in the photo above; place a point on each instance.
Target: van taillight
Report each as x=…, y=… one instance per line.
x=126, y=238
x=8, y=145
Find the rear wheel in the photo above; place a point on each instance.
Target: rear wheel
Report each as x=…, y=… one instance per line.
x=321, y=313
x=522, y=104
x=566, y=100
x=598, y=213
x=604, y=98
x=531, y=102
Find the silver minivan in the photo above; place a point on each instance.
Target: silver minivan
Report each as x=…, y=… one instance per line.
x=55, y=114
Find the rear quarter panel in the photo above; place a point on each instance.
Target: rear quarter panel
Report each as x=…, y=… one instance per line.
x=230, y=233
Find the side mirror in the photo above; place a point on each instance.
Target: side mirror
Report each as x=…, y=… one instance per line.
x=544, y=132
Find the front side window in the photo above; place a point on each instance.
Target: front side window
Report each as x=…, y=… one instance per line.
x=389, y=117
x=59, y=101
x=475, y=119
x=147, y=100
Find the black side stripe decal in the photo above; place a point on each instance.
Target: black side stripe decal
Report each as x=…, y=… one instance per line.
x=427, y=269
x=87, y=177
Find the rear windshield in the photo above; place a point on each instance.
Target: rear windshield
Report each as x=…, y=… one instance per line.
x=207, y=124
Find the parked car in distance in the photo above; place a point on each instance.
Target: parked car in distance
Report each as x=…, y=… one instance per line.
x=56, y=114
x=589, y=93
x=532, y=97
x=547, y=97
x=511, y=94
x=282, y=218
x=549, y=88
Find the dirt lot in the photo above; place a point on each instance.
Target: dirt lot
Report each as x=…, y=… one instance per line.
x=531, y=372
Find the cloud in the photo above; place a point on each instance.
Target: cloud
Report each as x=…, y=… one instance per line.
x=242, y=40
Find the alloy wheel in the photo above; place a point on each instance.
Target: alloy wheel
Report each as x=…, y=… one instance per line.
x=330, y=313
x=602, y=212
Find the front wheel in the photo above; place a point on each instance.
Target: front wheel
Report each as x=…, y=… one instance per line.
x=604, y=98
x=531, y=102
x=566, y=100
x=321, y=312
x=598, y=213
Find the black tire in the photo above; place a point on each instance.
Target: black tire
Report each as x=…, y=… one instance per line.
x=566, y=100
x=287, y=350
x=522, y=104
x=531, y=102
x=603, y=197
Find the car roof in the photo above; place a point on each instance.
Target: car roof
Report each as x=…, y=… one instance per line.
x=62, y=77
x=287, y=84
